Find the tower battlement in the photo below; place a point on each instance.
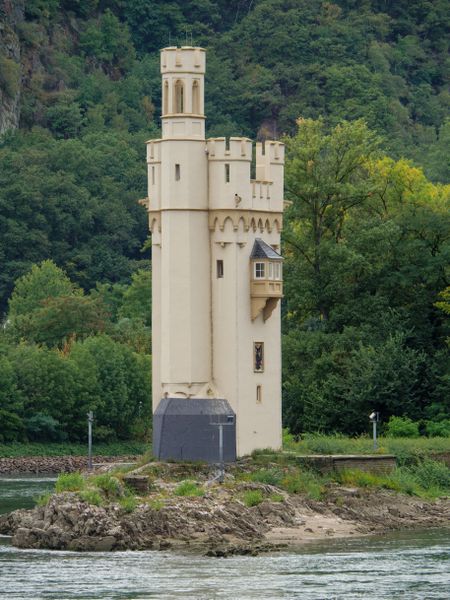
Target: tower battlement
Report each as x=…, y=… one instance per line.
x=187, y=59
x=236, y=148
x=269, y=160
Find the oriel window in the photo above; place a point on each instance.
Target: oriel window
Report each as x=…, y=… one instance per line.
x=258, y=357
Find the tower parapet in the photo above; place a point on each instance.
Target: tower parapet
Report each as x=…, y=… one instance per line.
x=229, y=165
x=270, y=168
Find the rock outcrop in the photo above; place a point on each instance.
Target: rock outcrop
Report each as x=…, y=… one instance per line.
x=221, y=526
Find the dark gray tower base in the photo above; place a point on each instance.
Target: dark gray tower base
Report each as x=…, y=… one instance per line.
x=187, y=429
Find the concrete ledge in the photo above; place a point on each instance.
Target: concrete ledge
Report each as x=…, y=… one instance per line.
x=325, y=463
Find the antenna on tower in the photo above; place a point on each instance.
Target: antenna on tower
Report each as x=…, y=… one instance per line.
x=170, y=39
x=185, y=37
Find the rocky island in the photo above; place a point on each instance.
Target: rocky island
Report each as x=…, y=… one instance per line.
x=259, y=507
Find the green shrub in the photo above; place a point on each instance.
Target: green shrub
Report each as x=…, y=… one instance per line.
x=403, y=480
x=156, y=503
x=108, y=484
x=128, y=503
x=252, y=497
x=91, y=497
x=41, y=427
x=432, y=473
x=402, y=427
x=9, y=76
x=70, y=482
x=188, y=488
x=288, y=439
x=268, y=476
x=43, y=499
x=276, y=498
x=303, y=482
x=359, y=478
x=438, y=428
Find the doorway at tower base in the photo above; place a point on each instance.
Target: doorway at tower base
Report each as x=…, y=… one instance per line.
x=189, y=429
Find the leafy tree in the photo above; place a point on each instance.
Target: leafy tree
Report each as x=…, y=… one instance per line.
x=42, y=282
x=64, y=318
x=11, y=423
x=122, y=389
x=326, y=176
x=137, y=298
x=47, y=383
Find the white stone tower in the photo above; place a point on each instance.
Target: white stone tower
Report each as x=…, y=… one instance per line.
x=216, y=277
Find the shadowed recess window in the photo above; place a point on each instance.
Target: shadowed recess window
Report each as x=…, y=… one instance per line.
x=227, y=173
x=258, y=357
x=153, y=175
x=195, y=98
x=179, y=97
x=259, y=394
x=219, y=268
x=177, y=173
x=166, y=97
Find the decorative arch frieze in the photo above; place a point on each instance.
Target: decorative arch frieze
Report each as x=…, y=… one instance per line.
x=246, y=220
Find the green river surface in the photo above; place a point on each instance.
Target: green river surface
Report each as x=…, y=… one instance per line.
x=409, y=565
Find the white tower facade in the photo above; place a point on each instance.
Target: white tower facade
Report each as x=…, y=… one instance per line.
x=216, y=278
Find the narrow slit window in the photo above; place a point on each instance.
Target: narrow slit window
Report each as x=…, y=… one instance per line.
x=177, y=172
x=179, y=97
x=260, y=270
x=219, y=268
x=227, y=173
x=258, y=394
x=195, y=98
x=153, y=175
x=258, y=357
x=166, y=97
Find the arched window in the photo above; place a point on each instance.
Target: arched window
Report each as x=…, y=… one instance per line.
x=166, y=97
x=179, y=97
x=196, y=98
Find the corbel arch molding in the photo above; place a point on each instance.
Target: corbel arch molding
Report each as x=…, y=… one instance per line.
x=245, y=220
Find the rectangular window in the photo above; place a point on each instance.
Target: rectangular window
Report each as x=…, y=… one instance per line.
x=153, y=175
x=219, y=267
x=227, y=173
x=258, y=357
x=271, y=266
x=258, y=394
x=177, y=173
x=260, y=270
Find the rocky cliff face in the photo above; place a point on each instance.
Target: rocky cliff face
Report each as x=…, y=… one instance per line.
x=11, y=16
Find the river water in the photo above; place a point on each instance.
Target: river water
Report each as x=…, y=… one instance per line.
x=413, y=565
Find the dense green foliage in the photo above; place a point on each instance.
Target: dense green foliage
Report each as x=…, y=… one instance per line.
x=367, y=248
x=62, y=354
x=122, y=448
x=358, y=89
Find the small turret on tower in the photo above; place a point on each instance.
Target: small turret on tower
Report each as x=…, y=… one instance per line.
x=183, y=74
